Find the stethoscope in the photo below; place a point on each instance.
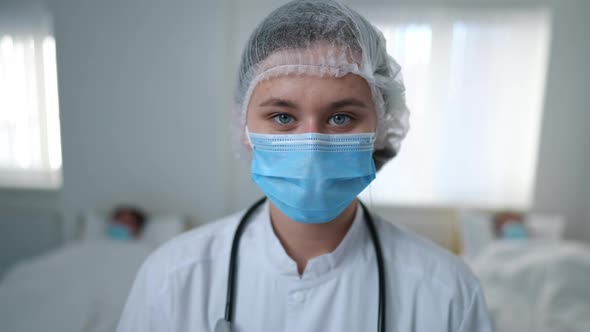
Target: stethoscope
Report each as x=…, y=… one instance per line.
x=224, y=324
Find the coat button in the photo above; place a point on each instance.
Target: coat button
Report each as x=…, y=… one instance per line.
x=297, y=296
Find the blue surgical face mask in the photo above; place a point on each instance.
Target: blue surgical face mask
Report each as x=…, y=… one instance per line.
x=514, y=230
x=312, y=177
x=119, y=232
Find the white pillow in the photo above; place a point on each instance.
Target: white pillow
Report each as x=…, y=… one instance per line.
x=545, y=227
x=476, y=232
x=161, y=228
x=158, y=228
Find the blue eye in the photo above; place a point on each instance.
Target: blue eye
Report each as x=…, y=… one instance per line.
x=339, y=119
x=283, y=118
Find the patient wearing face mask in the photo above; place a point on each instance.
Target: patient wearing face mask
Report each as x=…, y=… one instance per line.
x=126, y=224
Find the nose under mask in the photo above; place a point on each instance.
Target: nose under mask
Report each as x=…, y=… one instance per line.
x=312, y=177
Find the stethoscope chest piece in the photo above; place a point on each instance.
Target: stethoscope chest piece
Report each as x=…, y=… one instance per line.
x=223, y=326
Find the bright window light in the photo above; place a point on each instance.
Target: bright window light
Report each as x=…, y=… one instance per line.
x=475, y=88
x=30, y=145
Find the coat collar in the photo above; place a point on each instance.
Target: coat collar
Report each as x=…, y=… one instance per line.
x=351, y=245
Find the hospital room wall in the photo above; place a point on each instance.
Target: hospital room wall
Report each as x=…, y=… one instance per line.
x=563, y=176
x=144, y=90
x=143, y=108
x=142, y=100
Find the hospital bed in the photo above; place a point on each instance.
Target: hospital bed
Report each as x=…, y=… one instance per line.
x=27, y=232
x=80, y=286
x=536, y=286
x=539, y=283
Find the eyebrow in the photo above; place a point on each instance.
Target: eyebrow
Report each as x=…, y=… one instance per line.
x=277, y=102
x=347, y=102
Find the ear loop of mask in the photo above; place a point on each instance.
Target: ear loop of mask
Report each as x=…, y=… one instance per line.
x=247, y=132
x=371, y=196
x=369, y=188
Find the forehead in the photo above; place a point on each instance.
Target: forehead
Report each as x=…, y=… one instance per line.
x=312, y=89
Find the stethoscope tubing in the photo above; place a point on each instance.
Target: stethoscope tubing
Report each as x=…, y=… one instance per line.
x=231, y=280
x=380, y=264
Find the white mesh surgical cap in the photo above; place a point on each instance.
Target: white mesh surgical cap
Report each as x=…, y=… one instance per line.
x=327, y=38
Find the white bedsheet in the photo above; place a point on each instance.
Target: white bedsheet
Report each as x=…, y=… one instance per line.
x=536, y=286
x=79, y=288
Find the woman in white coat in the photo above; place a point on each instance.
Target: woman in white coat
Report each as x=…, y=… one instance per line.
x=322, y=108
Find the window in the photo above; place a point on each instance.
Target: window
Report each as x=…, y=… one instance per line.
x=475, y=87
x=30, y=147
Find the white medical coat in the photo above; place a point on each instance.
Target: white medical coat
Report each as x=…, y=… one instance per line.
x=182, y=285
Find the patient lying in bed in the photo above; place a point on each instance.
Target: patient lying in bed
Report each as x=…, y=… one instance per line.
x=536, y=286
x=80, y=287
x=127, y=222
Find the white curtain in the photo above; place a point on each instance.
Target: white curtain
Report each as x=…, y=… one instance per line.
x=30, y=147
x=475, y=88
